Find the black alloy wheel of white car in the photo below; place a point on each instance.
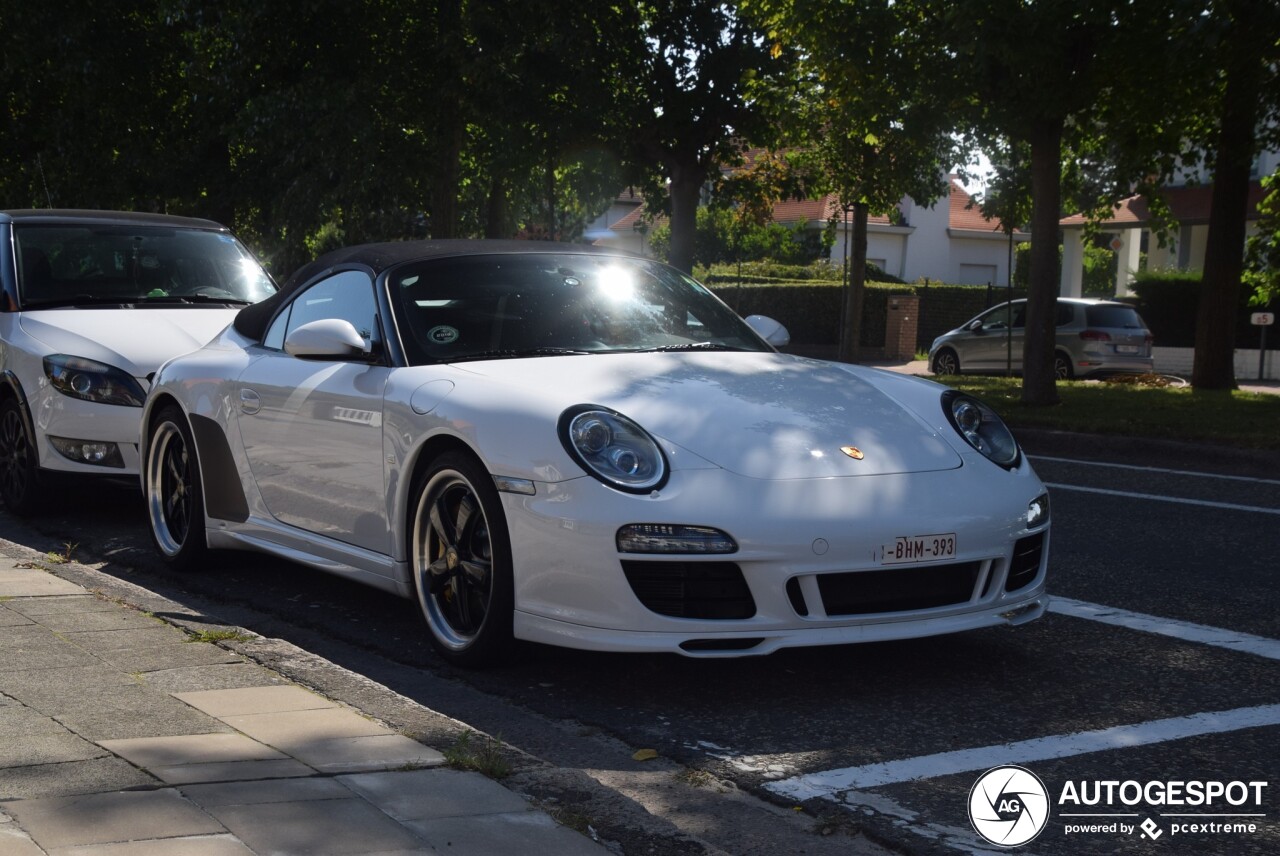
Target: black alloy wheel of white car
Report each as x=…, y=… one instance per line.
x=21, y=486
x=175, y=501
x=461, y=561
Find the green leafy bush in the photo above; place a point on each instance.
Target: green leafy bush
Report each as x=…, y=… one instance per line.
x=1099, y=278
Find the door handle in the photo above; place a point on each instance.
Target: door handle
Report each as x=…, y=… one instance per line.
x=250, y=401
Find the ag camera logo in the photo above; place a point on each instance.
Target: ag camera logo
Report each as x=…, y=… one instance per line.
x=1009, y=806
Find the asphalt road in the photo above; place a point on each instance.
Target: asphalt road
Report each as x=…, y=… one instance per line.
x=1159, y=661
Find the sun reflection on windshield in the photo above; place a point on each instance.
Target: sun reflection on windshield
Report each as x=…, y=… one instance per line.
x=616, y=283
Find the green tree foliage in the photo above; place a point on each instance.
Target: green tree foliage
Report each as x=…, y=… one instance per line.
x=878, y=108
x=689, y=103
x=1051, y=82
x=1262, y=271
x=311, y=123
x=94, y=112
x=1099, y=269
x=1234, y=47
x=722, y=237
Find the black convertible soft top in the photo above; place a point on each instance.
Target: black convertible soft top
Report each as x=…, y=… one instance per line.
x=82, y=216
x=252, y=321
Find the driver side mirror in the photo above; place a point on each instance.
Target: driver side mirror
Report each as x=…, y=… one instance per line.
x=327, y=339
x=771, y=331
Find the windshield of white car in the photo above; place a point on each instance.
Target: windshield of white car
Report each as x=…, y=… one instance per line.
x=505, y=306
x=98, y=265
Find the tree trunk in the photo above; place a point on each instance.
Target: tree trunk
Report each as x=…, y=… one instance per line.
x=496, y=210
x=1214, y=366
x=1039, y=384
x=851, y=322
x=550, y=179
x=686, y=189
x=451, y=126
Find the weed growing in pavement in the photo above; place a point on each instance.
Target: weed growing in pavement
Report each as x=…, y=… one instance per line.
x=486, y=758
x=219, y=636
x=572, y=819
x=63, y=557
x=411, y=766
x=694, y=778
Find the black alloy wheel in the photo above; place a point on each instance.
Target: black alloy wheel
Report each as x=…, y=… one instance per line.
x=171, y=483
x=21, y=486
x=461, y=559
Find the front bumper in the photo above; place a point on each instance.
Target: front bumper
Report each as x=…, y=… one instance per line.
x=795, y=538
x=58, y=415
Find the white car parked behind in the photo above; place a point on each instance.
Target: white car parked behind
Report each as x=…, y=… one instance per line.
x=94, y=302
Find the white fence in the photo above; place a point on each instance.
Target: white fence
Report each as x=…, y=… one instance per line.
x=1178, y=361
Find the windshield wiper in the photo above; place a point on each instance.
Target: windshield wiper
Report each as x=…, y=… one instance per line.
x=193, y=298
x=515, y=353
x=132, y=300
x=691, y=346
x=78, y=300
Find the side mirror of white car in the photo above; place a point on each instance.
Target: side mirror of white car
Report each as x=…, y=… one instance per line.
x=331, y=338
x=771, y=331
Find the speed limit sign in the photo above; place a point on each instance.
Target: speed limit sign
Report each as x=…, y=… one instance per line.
x=1262, y=319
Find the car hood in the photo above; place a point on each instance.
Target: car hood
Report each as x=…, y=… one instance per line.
x=136, y=340
x=761, y=415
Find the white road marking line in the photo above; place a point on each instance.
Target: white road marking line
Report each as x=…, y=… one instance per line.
x=1184, y=630
x=1152, y=469
x=831, y=782
x=1156, y=498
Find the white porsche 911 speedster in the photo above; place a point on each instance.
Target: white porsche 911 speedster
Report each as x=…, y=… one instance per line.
x=553, y=443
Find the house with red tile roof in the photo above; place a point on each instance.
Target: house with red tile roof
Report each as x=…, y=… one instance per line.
x=949, y=241
x=1130, y=227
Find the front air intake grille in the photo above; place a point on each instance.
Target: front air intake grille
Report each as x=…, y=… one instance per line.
x=796, y=596
x=898, y=589
x=714, y=590
x=1025, y=564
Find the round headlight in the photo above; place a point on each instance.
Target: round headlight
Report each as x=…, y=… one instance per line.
x=612, y=448
x=981, y=428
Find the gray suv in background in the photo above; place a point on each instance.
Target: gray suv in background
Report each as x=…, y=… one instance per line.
x=1093, y=337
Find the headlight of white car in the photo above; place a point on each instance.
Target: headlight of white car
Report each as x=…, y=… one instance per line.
x=92, y=381
x=981, y=428
x=612, y=448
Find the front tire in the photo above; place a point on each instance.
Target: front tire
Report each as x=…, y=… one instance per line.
x=21, y=485
x=461, y=561
x=945, y=362
x=175, y=498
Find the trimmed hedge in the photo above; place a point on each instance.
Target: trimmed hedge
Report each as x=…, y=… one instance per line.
x=1169, y=300
x=770, y=272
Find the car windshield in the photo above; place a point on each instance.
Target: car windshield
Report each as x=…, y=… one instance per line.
x=76, y=265
x=1125, y=317
x=544, y=304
